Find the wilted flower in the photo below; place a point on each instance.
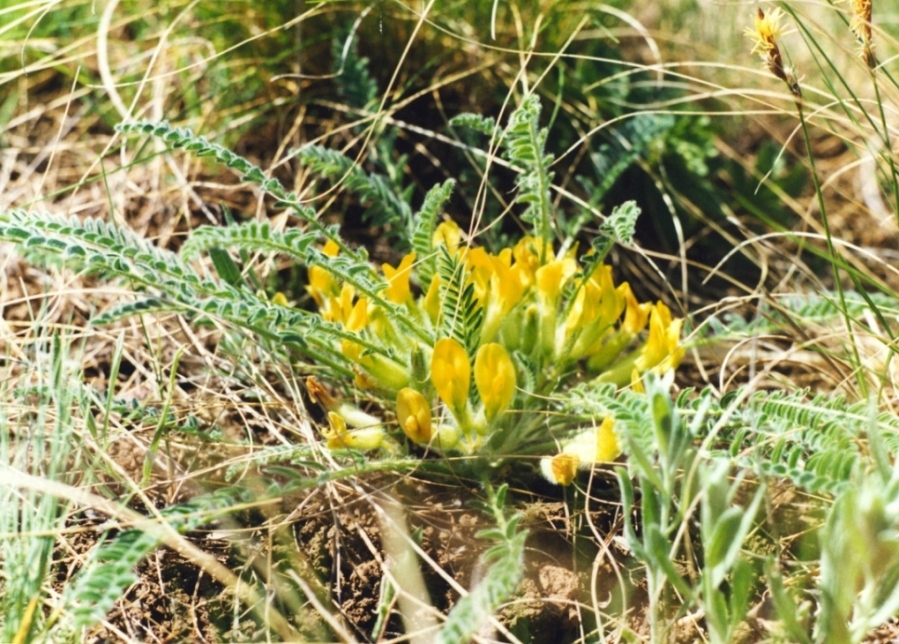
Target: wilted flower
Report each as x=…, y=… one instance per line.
x=860, y=24
x=594, y=445
x=561, y=468
x=338, y=436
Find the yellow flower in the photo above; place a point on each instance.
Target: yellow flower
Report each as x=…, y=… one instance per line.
x=364, y=438
x=414, y=415
x=506, y=285
x=432, y=300
x=597, y=304
x=448, y=234
x=494, y=376
x=528, y=253
x=635, y=314
x=662, y=351
x=604, y=441
x=481, y=270
x=398, y=280
x=561, y=468
x=552, y=276
x=595, y=445
x=451, y=373
x=322, y=284
x=342, y=309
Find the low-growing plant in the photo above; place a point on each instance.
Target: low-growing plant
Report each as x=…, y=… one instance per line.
x=462, y=349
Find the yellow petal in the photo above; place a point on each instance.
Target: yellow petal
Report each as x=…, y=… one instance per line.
x=595, y=445
x=398, y=280
x=494, y=376
x=607, y=446
x=635, y=314
x=448, y=234
x=552, y=276
x=331, y=248
x=560, y=469
x=413, y=412
x=662, y=350
x=451, y=372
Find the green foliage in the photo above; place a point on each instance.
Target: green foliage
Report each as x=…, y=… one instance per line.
x=461, y=316
x=859, y=579
x=672, y=476
x=425, y=224
x=482, y=124
x=387, y=208
x=354, y=82
x=524, y=142
x=618, y=228
x=628, y=142
x=37, y=432
x=817, y=442
x=183, y=138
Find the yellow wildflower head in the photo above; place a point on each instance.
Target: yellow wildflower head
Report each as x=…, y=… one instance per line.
x=765, y=31
x=606, y=445
x=398, y=290
x=494, y=376
x=764, y=35
x=451, y=373
x=341, y=308
x=529, y=251
x=413, y=413
x=860, y=22
x=480, y=269
x=506, y=287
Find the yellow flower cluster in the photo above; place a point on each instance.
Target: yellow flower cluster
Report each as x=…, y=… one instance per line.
x=540, y=314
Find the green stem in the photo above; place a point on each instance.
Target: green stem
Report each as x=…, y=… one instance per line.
x=832, y=252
